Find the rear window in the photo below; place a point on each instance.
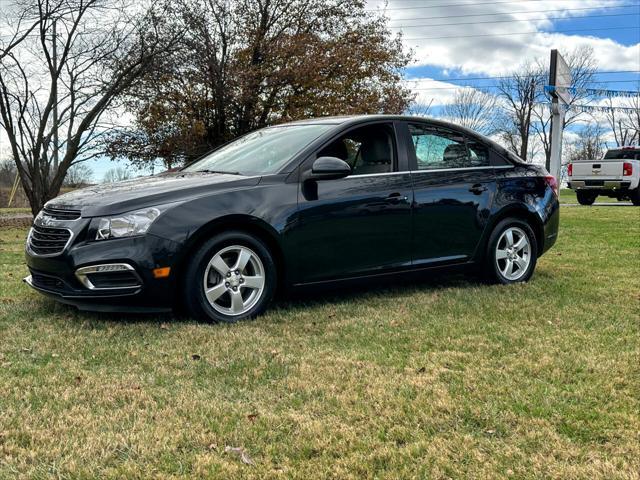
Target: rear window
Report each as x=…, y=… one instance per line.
x=623, y=154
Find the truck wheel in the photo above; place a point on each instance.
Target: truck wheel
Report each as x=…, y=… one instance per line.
x=586, y=197
x=635, y=197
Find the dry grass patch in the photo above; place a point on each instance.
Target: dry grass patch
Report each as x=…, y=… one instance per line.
x=445, y=379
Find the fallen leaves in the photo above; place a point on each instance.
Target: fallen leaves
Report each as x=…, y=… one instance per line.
x=240, y=454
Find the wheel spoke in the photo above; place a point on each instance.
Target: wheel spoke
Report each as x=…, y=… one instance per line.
x=220, y=265
x=500, y=254
x=237, y=303
x=520, y=244
x=253, y=282
x=243, y=258
x=214, y=293
x=521, y=262
x=508, y=271
x=509, y=237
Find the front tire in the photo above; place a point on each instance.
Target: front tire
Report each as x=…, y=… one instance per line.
x=231, y=277
x=512, y=252
x=586, y=197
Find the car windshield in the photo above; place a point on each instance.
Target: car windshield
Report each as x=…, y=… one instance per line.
x=261, y=152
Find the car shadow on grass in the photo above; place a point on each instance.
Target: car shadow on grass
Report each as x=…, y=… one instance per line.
x=334, y=293
x=340, y=293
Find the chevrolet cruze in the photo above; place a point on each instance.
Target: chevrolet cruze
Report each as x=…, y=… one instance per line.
x=302, y=204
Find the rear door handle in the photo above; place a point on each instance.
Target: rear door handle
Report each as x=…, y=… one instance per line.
x=396, y=197
x=478, y=188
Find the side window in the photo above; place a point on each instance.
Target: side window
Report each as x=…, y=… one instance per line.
x=439, y=149
x=478, y=154
x=368, y=150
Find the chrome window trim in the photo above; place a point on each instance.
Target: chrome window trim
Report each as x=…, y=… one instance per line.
x=433, y=170
x=81, y=275
x=66, y=245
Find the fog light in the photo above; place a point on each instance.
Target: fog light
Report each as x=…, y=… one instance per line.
x=108, y=276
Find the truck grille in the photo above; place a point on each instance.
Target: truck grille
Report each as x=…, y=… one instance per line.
x=47, y=240
x=61, y=214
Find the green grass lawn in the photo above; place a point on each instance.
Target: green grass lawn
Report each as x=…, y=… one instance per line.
x=569, y=196
x=447, y=379
x=10, y=211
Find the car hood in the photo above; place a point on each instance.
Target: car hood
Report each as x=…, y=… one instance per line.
x=115, y=198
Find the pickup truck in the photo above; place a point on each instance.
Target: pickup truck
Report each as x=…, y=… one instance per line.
x=617, y=175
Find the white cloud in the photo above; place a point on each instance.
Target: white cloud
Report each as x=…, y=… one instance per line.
x=495, y=55
x=433, y=92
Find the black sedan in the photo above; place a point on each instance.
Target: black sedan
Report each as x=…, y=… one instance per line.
x=302, y=204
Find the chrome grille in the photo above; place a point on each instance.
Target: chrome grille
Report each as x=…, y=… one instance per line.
x=61, y=214
x=47, y=240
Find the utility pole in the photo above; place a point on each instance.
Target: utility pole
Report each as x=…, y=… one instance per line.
x=560, y=79
x=54, y=55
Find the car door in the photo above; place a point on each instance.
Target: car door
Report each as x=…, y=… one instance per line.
x=453, y=183
x=360, y=224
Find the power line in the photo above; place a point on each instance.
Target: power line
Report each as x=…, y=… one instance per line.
x=524, y=33
x=507, y=77
x=517, y=21
x=487, y=87
x=474, y=4
x=517, y=12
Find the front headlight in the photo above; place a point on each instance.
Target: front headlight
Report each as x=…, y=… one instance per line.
x=126, y=225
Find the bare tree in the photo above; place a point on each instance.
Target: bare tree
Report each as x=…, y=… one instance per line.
x=583, y=66
x=78, y=175
x=589, y=143
x=625, y=124
x=7, y=173
x=116, y=174
x=66, y=65
x=473, y=109
x=519, y=94
x=419, y=108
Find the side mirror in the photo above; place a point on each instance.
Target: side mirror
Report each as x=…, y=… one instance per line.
x=329, y=168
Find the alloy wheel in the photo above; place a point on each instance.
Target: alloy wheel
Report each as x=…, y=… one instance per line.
x=234, y=280
x=513, y=253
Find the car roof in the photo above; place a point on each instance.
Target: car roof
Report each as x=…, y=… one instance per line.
x=344, y=120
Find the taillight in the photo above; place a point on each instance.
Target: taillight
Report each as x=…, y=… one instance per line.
x=552, y=182
x=570, y=169
x=627, y=169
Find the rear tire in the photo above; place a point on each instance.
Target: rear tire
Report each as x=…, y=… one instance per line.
x=635, y=197
x=230, y=277
x=586, y=197
x=512, y=252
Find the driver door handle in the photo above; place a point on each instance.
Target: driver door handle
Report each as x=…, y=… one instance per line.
x=396, y=197
x=478, y=188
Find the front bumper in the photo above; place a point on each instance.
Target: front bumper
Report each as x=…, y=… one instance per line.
x=56, y=277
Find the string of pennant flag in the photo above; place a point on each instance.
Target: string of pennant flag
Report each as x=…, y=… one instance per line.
x=596, y=92
x=598, y=108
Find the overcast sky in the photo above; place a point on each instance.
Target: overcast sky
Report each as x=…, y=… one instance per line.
x=464, y=40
